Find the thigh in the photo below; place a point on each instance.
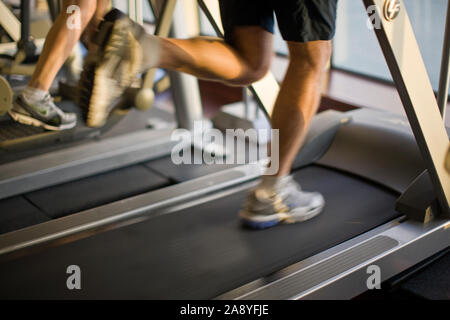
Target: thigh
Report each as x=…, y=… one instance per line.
x=239, y=13
x=254, y=45
x=306, y=20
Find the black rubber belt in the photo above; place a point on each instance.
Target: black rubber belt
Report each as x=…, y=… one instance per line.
x=200, y=252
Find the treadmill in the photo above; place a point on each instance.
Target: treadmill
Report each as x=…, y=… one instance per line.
x=184, y=241
x=16, y=138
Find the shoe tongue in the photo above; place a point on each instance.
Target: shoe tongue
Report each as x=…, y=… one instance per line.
x=47, y=99
x=274, y=182
x=264, y=194
x=271, y=185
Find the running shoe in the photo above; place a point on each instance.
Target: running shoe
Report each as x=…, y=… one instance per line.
x=111, y=67
x=43, y=113
x=283, y=202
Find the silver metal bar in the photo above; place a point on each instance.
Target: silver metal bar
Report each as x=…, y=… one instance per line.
x=399, y=45
x=139, y=12
x=132, y=9
x=185, y=89
x=135, y=11
x=444, y=80
x=10, y=48
x=341, y=272
x=139, y=207
x=91, y=158
x=246, y=99
x=9, y=22
x=164, y=22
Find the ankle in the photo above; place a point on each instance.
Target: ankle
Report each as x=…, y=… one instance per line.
x=34, y=94
x=151, y=46
x=271, y=182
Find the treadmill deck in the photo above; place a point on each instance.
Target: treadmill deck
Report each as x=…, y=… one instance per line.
x=200, y=252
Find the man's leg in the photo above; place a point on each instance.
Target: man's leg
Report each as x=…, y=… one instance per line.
x=34, y=105
x=60, y=41
x=279, y=198
x=299, y=97
x=300, y=91
x=307, y=26
x=245, y=59
x=102, y=8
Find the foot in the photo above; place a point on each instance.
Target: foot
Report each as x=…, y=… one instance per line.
x=42, y=113
x=111, y=67
x=280, y=201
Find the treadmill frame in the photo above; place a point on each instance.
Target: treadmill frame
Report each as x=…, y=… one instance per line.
x=413, y=241
x=412, y=81
x=393, y=247
x=404, y=59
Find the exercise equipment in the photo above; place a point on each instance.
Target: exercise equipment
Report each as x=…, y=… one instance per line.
x=17, y=138
x=184, y=241
x=6, y=95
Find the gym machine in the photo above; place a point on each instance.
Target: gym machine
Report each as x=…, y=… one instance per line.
x=184, y=241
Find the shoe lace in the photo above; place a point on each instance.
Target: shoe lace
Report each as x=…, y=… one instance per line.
x=49, y=101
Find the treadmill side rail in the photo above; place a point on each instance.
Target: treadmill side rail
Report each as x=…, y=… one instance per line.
x=91, y=158
x=342, y=272
x=123, y=212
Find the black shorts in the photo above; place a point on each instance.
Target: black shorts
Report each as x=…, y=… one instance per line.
x=298, y=20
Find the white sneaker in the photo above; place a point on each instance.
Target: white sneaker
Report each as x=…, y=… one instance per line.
x=283, y=202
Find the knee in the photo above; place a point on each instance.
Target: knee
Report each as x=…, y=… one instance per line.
x=254, y=73
x=313, y=57
x=249, y=75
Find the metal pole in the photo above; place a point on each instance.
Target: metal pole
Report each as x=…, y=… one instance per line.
x=26, y=49
x=139, y=14
x=53, y=9
x=25, y=9
x=246, y=99
x=132, y=9
x=185, y=90
x=445, y=67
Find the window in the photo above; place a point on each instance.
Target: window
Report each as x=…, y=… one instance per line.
x=356, y=48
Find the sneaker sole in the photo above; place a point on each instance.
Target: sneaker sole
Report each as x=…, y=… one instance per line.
x=267, y=221
x=23, y=119
x=99, y=111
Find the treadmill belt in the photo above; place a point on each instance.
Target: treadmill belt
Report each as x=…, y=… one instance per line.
x=90, y=192
x=184, y=172
x=199, y=252
x=17, y=213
